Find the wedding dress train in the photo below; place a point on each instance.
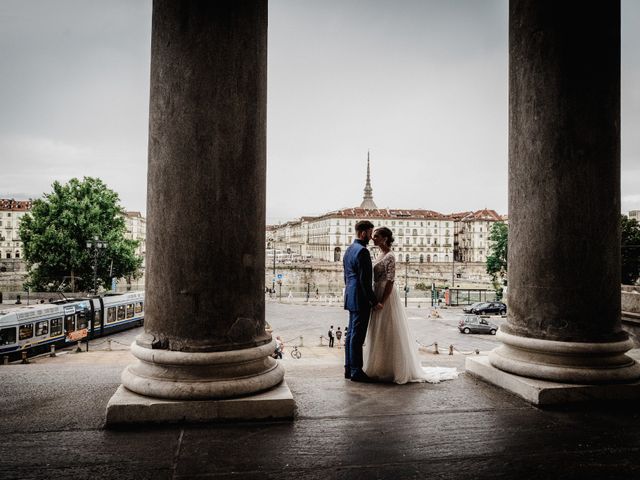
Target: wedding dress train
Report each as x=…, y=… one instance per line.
x=390, y=355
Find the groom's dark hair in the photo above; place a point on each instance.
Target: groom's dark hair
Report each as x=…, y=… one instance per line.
x=363, y=225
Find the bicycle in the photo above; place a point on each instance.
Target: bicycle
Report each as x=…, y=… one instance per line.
x=295, y=353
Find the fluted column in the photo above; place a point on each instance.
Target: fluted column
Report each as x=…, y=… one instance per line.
x=564, y=195
x=204, y=332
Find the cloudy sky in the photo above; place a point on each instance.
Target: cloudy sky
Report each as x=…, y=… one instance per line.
x=420, y=84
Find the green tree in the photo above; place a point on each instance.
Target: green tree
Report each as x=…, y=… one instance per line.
x=630, y=249
x=56, y=231
x=497, y=258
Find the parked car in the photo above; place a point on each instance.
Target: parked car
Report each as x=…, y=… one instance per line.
x=488, y=308
x=476, y=324
x=469, y=308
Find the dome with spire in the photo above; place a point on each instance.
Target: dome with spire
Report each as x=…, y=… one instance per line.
x=367, y=200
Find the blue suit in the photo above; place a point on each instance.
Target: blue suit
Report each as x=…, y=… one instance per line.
x=358, y=299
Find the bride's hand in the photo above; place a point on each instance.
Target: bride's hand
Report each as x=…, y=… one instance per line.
x=379, y=306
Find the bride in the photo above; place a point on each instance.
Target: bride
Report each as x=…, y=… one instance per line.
x=390, y=355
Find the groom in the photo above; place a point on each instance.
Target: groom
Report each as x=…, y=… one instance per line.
x=359, y=299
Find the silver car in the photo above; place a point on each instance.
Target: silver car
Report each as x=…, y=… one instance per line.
x=476, y=324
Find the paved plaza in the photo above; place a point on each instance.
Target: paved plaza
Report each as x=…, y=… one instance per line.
x=53, y=413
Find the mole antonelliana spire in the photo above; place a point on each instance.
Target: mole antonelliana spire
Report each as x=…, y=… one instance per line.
x=367, y=200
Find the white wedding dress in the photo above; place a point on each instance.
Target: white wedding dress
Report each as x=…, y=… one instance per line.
x=390, y=355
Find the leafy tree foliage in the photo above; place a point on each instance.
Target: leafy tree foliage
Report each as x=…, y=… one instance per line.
x=56, y=231
x=497, y=258
x=630, y=250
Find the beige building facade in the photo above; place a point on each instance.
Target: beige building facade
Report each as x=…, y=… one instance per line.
x=136, y=226
x=11, y=213
x=472, y=235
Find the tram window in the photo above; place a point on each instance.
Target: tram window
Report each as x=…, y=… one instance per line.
x=97, y=319
x=121, y=312
x=26, y=331
x=138, y=307
x=82, y=320
x=130, y=310
x=42, y=328
x=7, y=336
x=56, y=326
x=111, y=314
x=70, y=323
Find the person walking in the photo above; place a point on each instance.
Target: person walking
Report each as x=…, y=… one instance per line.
x=331, y=334
x=359, y=299
x=339, y=336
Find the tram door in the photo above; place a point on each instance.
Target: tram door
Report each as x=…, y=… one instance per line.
x=69, y=323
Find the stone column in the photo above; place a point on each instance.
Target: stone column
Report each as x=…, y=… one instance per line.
x=204, y=332
x=564, y=195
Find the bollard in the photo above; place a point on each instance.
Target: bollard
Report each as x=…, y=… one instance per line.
x=321, y=340
x=301, y=341
x=25, y=360
x=435, y=345
x=52, y=352
x=109, y=345
x=450, y=349
x=5, y=360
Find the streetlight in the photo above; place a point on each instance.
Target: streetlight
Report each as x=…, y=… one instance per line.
x=406, y=279
x=272, y=243
x=97, y=245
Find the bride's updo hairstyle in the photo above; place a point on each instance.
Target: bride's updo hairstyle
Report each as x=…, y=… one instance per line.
x=387, y=234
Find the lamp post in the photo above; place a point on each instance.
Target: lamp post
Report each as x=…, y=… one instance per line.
x=272, y=244
x=406, y=279
x=97, y=245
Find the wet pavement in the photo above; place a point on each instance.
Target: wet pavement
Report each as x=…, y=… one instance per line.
x=52, y=416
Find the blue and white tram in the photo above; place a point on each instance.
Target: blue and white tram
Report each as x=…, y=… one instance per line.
x=36, y=327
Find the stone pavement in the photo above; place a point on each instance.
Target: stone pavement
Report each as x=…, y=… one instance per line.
x=53, y=410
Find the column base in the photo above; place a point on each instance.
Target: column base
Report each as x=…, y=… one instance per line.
x=543, y=392
x=175, y=375
x=582, y=363
x=127, y=407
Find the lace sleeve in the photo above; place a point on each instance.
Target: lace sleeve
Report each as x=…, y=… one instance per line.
x=391, y=268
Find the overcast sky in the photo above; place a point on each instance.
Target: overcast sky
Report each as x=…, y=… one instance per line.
x=421, y=84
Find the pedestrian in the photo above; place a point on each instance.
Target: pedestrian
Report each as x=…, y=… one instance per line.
x=331, y=334
x=279, y=348
x=339, y=336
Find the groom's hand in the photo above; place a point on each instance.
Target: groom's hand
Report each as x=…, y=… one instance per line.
x=378, y=306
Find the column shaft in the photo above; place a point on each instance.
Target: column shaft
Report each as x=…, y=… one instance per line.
x=206, y=178
x=564, y=170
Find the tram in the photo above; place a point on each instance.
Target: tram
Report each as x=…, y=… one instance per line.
x=35, y=328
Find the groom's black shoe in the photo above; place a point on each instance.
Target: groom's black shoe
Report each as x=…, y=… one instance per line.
x=347, y=373
x=362, y=377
